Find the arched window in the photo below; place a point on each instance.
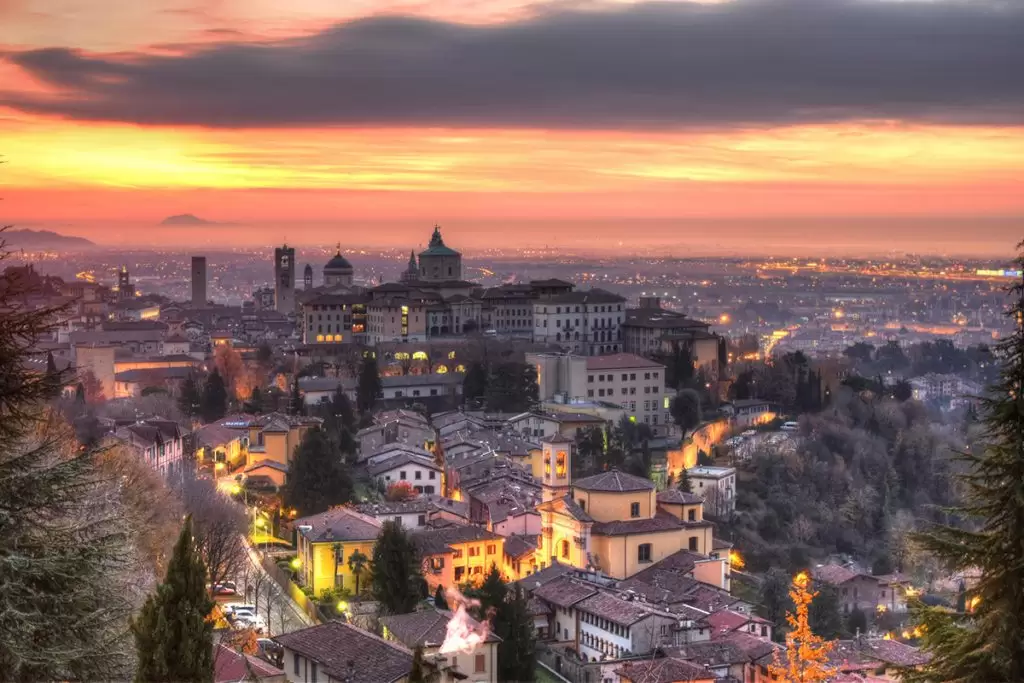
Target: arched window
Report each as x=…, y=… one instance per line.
x=419, y=355
x=441, y=369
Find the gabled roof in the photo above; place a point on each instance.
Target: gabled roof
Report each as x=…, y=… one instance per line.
x=426, y=628
x=569, y=506
x=835, y=574
x=564, y=591
x=272, y=464
x=614, y=608
x=230, y=666
x=677, y=497
x=349, y=653
x=520, y=545
x=338, y=524
x=665, y=670
x=401, y=460
x=614, y=481
x=440, y=541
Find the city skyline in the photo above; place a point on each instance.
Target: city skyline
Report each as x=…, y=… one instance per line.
x=671, y=116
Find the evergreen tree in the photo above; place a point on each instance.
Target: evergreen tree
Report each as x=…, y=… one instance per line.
x=369, y=388
x=80, y=394
x=514, y=625
x=214, y=403
x=189, y=399
x=686, y=409
x=63, y=542
x=491, y=594
x=825, y=616
x=511, y=387
x=317, y=478
x=684, y=485
x=474, y=386
x=440, y=601
x=296, y=406
x=395, y=570
x=857, y=622
x=774, y=600
x=255, y=402
x=988, y=643
x=173, y=635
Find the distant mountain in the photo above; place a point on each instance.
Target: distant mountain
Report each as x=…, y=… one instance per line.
x=186, y=219
x=42, y=239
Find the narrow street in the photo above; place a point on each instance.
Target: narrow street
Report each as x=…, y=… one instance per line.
x=282, y=607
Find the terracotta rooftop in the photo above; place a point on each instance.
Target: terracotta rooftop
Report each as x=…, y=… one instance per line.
x=662, y=521
x=338, y=524
x=614, y=608
x=425, y=628
x=677, y=497
x=345, y=652
x=834, y=574
x=664, y=670
x=440, y=541
x=614, y=481
x=230, y=666
x=564, y=591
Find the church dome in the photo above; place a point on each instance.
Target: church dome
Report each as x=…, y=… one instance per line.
x=338, y=263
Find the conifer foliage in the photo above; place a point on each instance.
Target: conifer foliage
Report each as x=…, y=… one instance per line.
x=395, y=570
x=63, y=547
x=987, y=644
x=173, y=634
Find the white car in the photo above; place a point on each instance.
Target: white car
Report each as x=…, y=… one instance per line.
x=252, y=621
x=231, y=608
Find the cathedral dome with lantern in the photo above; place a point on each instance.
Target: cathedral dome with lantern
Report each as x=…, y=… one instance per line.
x=338, y=271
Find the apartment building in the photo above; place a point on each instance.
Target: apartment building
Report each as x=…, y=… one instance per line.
x=587, y=322
x=633, y=382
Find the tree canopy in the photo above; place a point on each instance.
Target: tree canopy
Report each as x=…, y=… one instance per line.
x=987, y=644
x=173, y=634
x=317, y=477
x=395, y=570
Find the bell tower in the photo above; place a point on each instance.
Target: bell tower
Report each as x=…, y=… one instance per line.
x=556, y=466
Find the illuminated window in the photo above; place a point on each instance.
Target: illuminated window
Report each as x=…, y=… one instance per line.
x=402, y=355
x=319, y=337
x=560, y=464
x=419, y=355
x=667, y=403
x=451, y=355
x=441, y=369
x=460, y=368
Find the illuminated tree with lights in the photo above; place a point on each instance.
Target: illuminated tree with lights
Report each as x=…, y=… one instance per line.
x=806, y=653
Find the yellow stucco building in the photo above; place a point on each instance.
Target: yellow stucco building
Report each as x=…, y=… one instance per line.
x=457, y=554
x=276, y=436
x=326, y=544
x=617, y=523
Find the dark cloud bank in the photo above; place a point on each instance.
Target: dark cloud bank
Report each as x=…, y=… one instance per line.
x=746, y=62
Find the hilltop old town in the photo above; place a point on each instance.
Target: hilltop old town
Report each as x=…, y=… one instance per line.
x=428, y=479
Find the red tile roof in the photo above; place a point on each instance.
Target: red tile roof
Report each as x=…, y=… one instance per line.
x=343, y=651
x=230, y=666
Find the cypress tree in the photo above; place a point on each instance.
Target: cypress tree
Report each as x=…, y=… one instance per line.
x=369, y=388
x=317, y=478
x=214, y=403
x=189, y=399
x=395, y=570
x=440, y=601
x=474, y=386
x=492, y=593
x=173, y=635
x=296, y=406
x=514, y=625
x=987, y=644
x=684, y=485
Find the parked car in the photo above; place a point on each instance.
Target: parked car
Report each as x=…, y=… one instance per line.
x=225, y=588
x=252, y=621
x=232, y=607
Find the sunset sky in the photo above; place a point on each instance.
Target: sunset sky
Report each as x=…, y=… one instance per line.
x=489, y=113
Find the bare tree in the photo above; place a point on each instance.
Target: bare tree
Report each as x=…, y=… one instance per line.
x=220, y=525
